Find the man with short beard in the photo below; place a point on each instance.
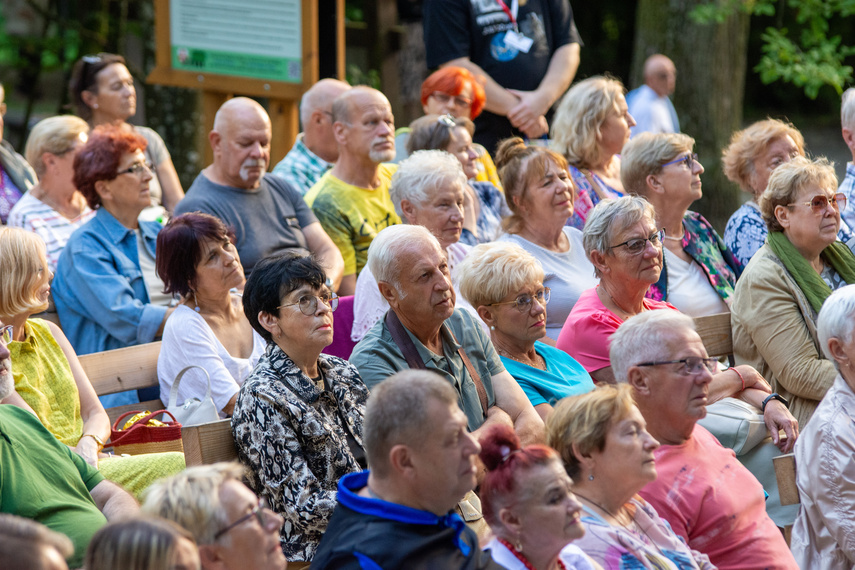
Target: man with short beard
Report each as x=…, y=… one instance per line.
x=43, y=480
x=352, y=200
x=266, y=213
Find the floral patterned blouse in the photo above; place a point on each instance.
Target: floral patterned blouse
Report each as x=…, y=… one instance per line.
x=293, y=439
x=705, y=246
x=586, y=196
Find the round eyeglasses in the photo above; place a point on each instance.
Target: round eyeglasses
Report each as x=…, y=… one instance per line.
x=523, y=303
x=309, y=303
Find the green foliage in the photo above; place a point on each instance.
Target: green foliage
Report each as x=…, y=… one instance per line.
x=355, y=76
x=814, y=60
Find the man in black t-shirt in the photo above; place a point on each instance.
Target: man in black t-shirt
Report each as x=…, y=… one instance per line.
x=527, y=50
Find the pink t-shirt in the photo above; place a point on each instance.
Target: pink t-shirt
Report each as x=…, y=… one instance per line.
x=716, y=505
x=587, y=330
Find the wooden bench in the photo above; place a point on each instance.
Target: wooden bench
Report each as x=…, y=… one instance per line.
x=716, y=334
x=788, y=490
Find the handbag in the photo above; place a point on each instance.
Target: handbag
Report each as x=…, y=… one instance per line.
x=193, y=411
x=736, y=424
x=145, y=434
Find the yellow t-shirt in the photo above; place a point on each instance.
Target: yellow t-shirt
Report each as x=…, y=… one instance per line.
x=351, y=215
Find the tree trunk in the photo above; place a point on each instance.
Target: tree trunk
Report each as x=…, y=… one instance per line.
x=711, y=63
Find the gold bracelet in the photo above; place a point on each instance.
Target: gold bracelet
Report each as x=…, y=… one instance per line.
x=98, y=440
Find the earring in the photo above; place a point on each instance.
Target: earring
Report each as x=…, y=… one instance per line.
x=197, y=309
x=591, y=476
x=492, y=327
x=94, y=105
x=518, y=545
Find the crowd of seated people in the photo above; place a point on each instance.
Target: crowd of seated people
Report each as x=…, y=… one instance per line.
x=526, y=383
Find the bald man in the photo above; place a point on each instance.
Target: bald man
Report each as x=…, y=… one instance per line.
x=352, y=200
x=315, y=149
x=649, y=105
x=267, y=214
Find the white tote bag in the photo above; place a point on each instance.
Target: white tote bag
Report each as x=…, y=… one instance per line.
x=193, y=411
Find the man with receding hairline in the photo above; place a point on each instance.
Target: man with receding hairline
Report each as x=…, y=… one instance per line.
x=315, y=149
x=422, y=458
x=267, y=214
x=649, y=104
x=352, y=200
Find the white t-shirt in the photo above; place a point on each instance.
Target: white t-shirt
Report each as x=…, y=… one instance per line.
x=689, y=288
x=187, y=339
x=153, y=283
x=567, y=275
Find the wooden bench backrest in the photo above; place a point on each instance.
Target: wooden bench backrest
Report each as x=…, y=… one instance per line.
x=209, y=443
x=124, y=369
x=716, y=334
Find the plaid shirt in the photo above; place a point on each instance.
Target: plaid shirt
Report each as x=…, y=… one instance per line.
x=847, y=187
x=301, y=167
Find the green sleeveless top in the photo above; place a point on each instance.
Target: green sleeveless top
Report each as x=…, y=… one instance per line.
x=44, y=380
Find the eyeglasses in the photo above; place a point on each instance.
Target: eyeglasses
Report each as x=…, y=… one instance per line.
x=6, y=334
x=309, y=303
x=260, y=512
x=820, y=202
x=444, y=98
x=447, y=121
x=636, y=245
x=689, y=160
x=137, y=168
x=523, y=302
x=691, y=365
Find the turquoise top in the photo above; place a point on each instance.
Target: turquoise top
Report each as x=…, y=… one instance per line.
x=563, y=376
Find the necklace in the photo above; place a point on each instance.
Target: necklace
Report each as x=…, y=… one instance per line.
x=677, y=238
x=523, y=559
x=632, y=520
x=540, y=365
x=626, y=313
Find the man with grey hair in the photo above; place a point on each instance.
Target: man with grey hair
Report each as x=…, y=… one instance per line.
x=708, y=497
x=352, y=199
x=649, y=104
x=422, y=458
x=232, y=528
x=44, y=480
x=315, y=149
x=267, y=214
x=423, y=330
x=847, y=129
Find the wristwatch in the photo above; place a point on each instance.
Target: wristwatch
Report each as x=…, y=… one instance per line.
x=774, y=396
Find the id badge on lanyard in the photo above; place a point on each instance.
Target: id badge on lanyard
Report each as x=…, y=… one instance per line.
x=513, y=38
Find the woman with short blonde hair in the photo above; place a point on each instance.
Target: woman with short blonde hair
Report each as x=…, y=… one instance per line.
x=590, y=128
x=53, y=208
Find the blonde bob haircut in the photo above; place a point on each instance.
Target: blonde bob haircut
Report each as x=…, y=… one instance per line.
x=520, y=165
x=24, y=268
x=585, y=420
x=788, y=180
x=55, y=135
x=576, y=129
x=191, y=499
x=644, y=155
x=492, y=271
x=135, y=544
x=748, y=144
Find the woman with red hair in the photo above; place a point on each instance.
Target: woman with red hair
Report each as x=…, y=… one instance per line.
x=453, y=91
x=528, y=504
x=107, y=292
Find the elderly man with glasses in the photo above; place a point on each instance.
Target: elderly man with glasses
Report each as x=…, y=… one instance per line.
x=233, y=528
x=702, y=490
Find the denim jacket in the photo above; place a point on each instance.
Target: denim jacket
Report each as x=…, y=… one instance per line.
x=99, y=290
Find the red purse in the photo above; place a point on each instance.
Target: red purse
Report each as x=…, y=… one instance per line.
x=146, y=435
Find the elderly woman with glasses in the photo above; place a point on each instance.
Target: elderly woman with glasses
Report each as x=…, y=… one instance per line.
x=107, y=292
x=427, y=190
x=54, y=208
x=540, y=197
x=787, y=281
x=102, y=89
x=591, y=126
x=297, y=421
x=484, y=205
x=505, y=284
x=698, y=271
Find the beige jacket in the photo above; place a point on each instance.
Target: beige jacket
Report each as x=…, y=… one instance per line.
x=824, y=532
x=774, y=330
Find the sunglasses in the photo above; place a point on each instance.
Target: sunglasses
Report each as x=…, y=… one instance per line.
x=820, y=202
x=689, y=160
x=691, y=365
x=636, y=245
x=444, y=98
